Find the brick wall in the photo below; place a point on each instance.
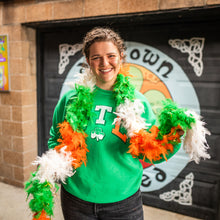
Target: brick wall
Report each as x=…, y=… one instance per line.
x=18, y=108
x=18, y=133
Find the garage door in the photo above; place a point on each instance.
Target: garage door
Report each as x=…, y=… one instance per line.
x=174, y=59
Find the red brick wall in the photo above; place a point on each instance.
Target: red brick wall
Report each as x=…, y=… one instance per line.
x=18, y=108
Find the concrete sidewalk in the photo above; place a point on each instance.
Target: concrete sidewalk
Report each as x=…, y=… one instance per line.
x=13, y=205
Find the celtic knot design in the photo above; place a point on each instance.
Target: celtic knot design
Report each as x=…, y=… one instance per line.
x=65, y=51
x=194, y=47
x=184, y=195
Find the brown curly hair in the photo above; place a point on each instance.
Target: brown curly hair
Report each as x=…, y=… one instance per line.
x=102, y=34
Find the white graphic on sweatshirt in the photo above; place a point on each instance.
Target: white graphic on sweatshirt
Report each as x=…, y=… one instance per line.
x=102, y=110
x=97, y=134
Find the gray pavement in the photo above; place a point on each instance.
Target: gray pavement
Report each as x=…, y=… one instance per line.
x=13, y=206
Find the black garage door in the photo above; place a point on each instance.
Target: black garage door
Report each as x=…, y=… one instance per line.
x=176, y=55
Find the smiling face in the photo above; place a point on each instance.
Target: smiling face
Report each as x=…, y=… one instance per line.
x=105, y=61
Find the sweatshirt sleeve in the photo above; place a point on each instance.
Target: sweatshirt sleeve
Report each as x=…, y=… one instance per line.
x=58, y=117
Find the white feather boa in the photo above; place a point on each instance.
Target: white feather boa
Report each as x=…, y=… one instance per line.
x=129, y=116
x=87, y=79
x=54, y=166
x=195, y=143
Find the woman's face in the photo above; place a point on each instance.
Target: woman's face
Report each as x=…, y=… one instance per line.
x=104, y=60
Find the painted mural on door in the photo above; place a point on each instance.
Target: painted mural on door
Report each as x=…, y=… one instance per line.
x=158, y=77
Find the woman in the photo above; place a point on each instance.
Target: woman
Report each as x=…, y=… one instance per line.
x=100, y=130
x=107, y=187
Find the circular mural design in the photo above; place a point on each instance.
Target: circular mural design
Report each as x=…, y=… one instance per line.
x=158, y=77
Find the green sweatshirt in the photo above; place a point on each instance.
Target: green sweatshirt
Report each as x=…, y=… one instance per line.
x=111, y=174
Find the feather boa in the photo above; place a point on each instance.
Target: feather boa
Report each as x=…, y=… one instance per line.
x=86, y=79
x=42, y=216
x=54, y=166
x=73, y=143
x=58, y=164
x=129, y=116
x=42, y=201
x=195, y=143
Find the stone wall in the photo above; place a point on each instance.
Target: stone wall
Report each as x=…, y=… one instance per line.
x=18, y=108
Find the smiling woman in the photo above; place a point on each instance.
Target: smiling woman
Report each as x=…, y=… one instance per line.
x=105, y=62
x=100, y=130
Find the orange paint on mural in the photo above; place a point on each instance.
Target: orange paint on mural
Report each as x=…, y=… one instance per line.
x=152, y=82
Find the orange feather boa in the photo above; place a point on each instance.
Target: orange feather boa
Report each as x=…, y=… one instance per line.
x=74, y=143
x=147, y=144
x=43, y=216
x=143, y=142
